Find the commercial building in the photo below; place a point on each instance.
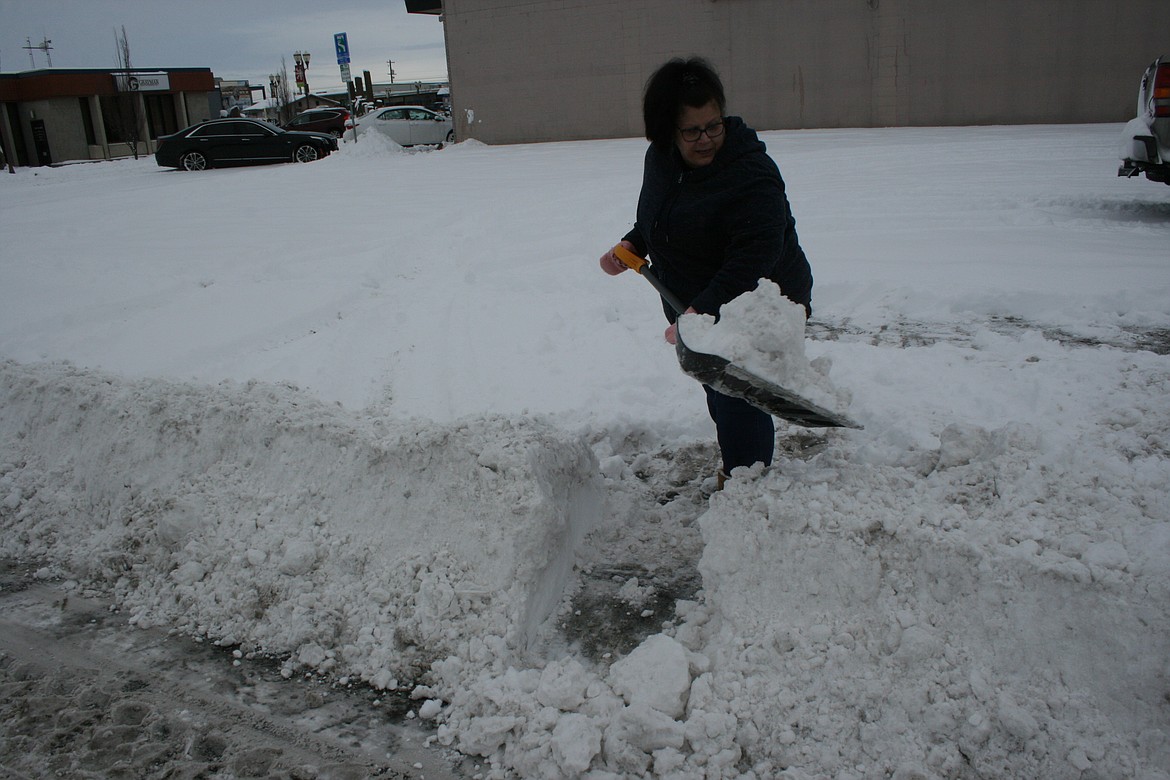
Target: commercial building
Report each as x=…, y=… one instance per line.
x=545, y=70
x=61, y=115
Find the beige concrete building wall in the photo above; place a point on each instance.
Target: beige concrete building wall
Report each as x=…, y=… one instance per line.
x=543, y=70
x=62, y=117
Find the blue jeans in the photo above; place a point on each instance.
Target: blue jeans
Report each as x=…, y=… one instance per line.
x=745, y=433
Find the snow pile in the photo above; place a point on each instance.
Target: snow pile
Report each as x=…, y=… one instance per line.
x=958, y=611
x=256, y=515
x=992, y=606
x=968, y=615
x=370, y=145
x=762, y=332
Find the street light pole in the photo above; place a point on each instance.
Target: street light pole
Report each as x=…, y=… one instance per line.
x=302, y=60
x=276, y=81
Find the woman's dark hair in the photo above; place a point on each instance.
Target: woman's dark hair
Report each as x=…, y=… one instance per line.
x=678, y=83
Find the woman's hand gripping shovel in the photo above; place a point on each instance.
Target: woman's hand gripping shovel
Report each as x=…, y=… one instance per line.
x=730, y=379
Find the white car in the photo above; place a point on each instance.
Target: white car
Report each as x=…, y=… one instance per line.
x=409, y=125
x=1145, y=142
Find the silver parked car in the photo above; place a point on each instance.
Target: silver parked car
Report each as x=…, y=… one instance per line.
x=1145, y=142
x=409, y=125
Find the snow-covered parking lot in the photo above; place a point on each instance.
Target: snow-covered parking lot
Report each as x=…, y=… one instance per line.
x=382, y=420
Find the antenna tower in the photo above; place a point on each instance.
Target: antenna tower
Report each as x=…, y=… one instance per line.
x=43, y=46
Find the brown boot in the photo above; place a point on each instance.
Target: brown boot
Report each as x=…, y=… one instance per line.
x=720, y=478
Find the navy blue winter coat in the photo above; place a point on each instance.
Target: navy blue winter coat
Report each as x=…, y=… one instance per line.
x=711, y=233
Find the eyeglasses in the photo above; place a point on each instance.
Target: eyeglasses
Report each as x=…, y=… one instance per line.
x=692, y=134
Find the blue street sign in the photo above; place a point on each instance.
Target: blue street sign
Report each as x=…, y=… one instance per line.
x=341, y=43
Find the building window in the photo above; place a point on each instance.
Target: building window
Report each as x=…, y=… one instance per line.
x=120, y=117
x=160, y=115
x=87, y=121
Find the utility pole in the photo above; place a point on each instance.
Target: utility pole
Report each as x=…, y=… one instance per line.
x=390, y=70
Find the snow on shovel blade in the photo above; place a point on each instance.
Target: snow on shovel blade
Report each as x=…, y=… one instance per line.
x=730, y=379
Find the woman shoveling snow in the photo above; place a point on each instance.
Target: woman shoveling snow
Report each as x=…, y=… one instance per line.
x=714, y=218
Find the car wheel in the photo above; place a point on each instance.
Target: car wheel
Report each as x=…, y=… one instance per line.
x=306, y=153
x=450, y=137
x=193, y=161
x=335, y=133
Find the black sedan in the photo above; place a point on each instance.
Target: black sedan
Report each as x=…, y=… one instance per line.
x=239, y=142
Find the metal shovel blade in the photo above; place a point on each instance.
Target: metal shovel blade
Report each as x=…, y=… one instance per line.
x=730, y=379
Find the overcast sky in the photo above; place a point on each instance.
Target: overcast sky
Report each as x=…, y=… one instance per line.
x=237, y=39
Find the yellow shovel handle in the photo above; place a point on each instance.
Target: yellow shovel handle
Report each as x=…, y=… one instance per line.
x=629, y=259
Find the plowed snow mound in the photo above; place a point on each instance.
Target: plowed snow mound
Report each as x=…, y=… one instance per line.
x=256, y=515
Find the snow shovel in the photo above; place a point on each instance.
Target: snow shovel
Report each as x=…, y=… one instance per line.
x=728, y=378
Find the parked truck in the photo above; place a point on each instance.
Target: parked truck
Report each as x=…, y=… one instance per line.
x=1145, y=142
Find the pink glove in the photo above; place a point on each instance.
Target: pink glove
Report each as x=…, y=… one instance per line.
x=611, y=265
x=671, y=334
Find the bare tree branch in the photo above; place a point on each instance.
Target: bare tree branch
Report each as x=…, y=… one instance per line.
x=127, y=117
